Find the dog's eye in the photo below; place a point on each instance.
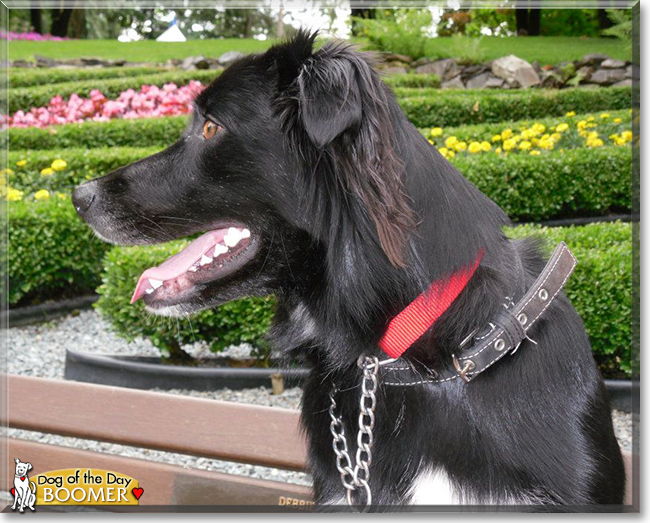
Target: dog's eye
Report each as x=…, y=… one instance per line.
x=210, y=129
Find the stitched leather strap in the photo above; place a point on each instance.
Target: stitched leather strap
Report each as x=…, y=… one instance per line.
x=507, y=331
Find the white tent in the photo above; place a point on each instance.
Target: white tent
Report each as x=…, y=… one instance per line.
x=173, y=34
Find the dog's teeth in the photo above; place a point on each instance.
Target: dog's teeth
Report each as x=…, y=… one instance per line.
x=155, y=283
x=245, y=234
x=232, y=237
x=219, y=249
x=149, y=291
x=193, y=268
x=205, y=260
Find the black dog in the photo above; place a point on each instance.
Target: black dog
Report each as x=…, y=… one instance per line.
x=313, y=186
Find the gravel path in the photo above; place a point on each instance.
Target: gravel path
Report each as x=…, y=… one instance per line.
x=39, y=350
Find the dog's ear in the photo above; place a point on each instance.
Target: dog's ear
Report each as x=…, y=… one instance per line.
x=17, y=461
x=329, y=99
x=29, y=466
x=338, y=118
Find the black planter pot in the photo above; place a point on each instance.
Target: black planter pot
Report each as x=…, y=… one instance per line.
x=141, y=372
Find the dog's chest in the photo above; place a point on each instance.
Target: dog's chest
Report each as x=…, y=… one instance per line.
x=433, y=488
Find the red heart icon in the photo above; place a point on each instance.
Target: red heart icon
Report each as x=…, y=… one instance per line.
x=137, y=492
x=13, y=492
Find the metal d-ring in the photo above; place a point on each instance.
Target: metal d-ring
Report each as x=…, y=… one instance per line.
x=469, y=365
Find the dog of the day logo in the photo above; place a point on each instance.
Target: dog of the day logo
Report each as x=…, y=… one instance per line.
x=74, y=486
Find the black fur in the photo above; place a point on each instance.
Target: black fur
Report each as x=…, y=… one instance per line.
x=354, y=215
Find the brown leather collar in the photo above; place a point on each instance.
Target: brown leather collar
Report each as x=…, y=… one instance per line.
x=504, y=336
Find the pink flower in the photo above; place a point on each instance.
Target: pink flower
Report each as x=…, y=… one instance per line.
x=150, y=101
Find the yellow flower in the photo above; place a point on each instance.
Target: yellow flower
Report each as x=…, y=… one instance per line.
x=498, y=150
x=556, y=137
x=61, y=196
x=604, y=115
x=443, y=151
x=538, y=128
x=591, y=119
x=527, y=134
x=21, y=163
x=582, y=124
x=59, y=164
x=496, y=138
x=535, y=153
x=509, y=144
x=525, y=145
x=436, y=131
x=451, y=154
x=617, y=120
x=460, y=146
x=485, y=146
x=431, y=142
x=562, y=127
x=474, y=147
x=14, y=195
x=48, y=171
x=626, y=135
x=571, y=113
x=43, y=194
x=506, y=133
x=546, y=144
x=6, y=171
x=451, y=141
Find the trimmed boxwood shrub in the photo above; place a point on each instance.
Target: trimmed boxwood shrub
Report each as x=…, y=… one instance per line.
x=24, y=98
x=51, y=252
x=232, y=323
x=24, y=77
x=600, y=289
x=83, y=164
x=141, y=132
x=412, y=82
x=558, y=184
x=450, y=108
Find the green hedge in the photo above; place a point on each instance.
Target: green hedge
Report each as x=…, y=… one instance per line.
x=141, y=132
x=52, y=253
x=27, y=77
x=24, y=98
x=584, y=182
x=451, y=108
x=83, y=164
x=412, y=82
x=557, y=184
x=236, y=322
x=600, y=289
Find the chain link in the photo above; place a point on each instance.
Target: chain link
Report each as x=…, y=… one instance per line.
x=357, y=480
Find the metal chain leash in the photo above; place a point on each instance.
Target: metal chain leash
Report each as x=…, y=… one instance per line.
x=357, y=480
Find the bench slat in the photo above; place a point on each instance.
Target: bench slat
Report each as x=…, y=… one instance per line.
x=208, y=428
x=163, y=484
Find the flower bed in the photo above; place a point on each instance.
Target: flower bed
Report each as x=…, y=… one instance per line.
x=31, y=36
x=600, y=290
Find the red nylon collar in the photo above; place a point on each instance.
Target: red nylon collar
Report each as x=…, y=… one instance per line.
x=407, y=327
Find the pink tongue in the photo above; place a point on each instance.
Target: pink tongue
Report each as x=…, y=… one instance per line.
x=179, y=263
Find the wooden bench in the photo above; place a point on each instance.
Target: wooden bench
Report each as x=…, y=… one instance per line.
x=207, y=428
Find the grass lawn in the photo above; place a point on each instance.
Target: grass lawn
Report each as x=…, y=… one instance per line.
x=142, y=51
x=547, y=50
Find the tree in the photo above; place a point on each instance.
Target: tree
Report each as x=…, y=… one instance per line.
x=528, y=20
x=60, y=22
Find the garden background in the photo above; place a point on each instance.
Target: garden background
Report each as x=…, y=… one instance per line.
x=546, y=134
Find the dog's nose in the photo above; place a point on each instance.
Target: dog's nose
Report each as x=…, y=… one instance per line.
x=83, y=197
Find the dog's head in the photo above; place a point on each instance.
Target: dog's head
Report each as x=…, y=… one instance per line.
x=22, y=468
x=287, y=153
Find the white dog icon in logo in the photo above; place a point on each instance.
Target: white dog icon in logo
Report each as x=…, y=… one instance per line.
x=22, y=491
